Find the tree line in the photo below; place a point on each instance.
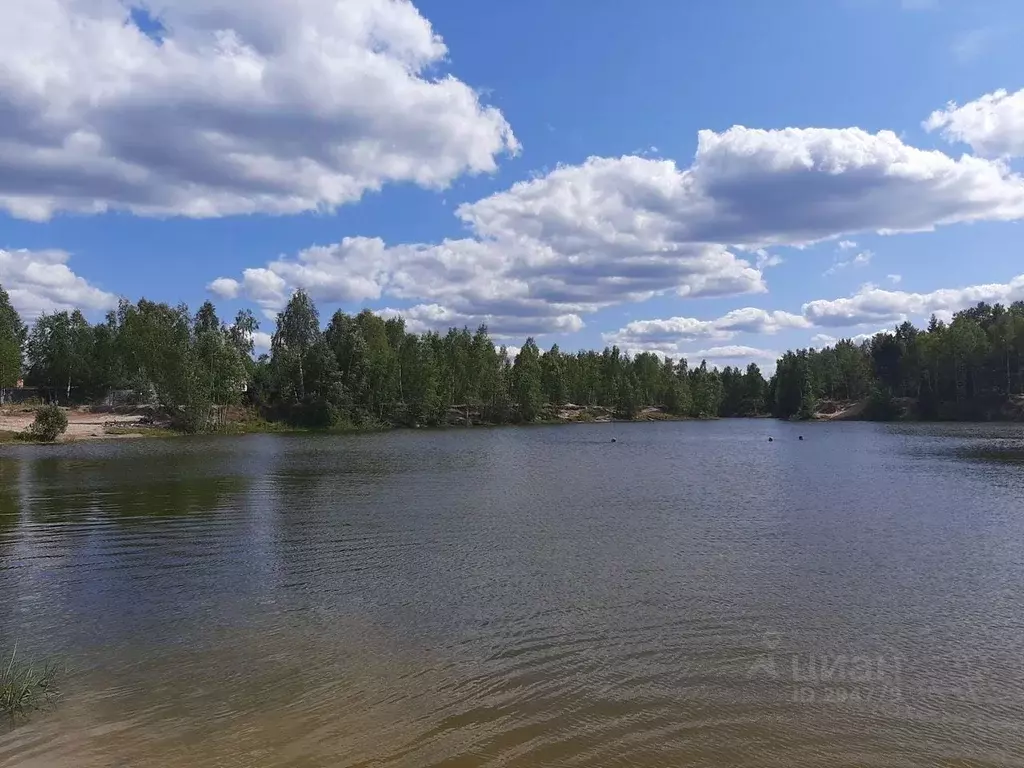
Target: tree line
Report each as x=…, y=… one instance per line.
x=365, y=370
x=968, y=368
x=359, y=370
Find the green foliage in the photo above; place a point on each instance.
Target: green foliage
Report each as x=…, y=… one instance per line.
x=364, y=370
x=12, y=337
x=360, y=371
x=60, y=352
x=10, y=361
x=964, y=369
x=26, y=688
x=881, y=405
x=706, y=391
x=795, y=385
x=50, y=423
x=527, y=378
x=628, y=396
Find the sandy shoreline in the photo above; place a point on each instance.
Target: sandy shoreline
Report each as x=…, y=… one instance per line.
x=82, y=424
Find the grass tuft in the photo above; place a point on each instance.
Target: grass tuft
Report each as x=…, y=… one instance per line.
x=26, y=688
x=139, y=430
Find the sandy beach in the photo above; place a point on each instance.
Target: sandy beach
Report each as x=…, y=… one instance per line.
x=83, y=424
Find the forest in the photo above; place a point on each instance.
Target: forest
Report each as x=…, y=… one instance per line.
x=971, y=368
x=366, y=371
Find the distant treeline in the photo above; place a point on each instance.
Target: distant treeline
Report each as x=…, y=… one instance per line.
x=360, y=370
x=970, y=368
x=364, y=370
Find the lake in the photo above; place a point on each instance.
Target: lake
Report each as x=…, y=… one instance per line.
x=690, y=594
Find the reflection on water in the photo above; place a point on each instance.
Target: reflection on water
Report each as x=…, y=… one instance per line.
x=690, y=595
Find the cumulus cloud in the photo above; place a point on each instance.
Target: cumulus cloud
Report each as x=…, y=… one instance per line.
x=42, y=281
x=547, y=251
x=752, y=187
x=515, y=286
x=733, y=353
x=224, y=287
x=894, y=279
x=828, y=340
x=736, y=355
x=872, y=304
x=673, y=332
x=434, y=317
x=235, y=107
x=993, y=125
x=261, y=341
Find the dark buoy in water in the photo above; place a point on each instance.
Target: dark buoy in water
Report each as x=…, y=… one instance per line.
x=800, y=438
x=769, y=439
x=613, y=439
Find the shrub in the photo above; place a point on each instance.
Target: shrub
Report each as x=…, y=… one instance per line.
x=882, y=406
x=50, y=423
x=315, y=413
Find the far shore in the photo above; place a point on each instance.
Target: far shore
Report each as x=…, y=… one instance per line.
x=87, y=423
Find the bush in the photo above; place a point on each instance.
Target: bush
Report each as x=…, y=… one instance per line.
x=50, y=423
x=882, y=406
x=314, y=413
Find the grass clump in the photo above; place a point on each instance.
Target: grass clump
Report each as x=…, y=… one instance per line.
x=139, y=430
x=26, y=688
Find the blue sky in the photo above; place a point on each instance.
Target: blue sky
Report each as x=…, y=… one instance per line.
x=534, y=165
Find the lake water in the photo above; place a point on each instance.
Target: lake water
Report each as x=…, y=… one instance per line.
x=688, y=595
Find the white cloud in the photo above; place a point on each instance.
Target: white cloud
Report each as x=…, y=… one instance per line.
x=224, y=287
x=766, y=260
x=894, y=279
x=673, y=332
x=872, y=304
x=751, y=187
x=41, y=281
x=517, y=287
x=549, y=250
x=827, y=340
x=869, y=306
x=261, y=341
x=993, y=125
x=244, y=106
x=434, y=317
x=733, y=352
x=735, y=355
x=862, y=259
x=846, y=245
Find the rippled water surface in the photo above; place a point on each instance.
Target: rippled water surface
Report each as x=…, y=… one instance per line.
x=688, y=595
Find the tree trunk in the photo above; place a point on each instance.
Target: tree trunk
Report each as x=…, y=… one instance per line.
x=1009, y=388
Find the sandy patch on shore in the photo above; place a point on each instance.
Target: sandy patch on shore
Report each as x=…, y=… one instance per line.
x=82, y=425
